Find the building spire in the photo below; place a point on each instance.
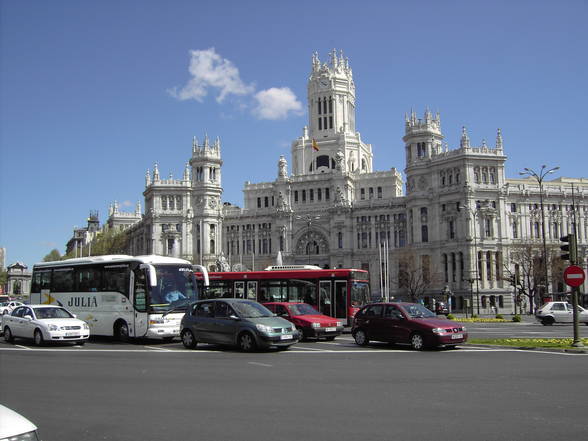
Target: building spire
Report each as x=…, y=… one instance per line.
x=155, y=172
x=148, y=178
x=187, y=172
x=465, y=139
x=499, y=140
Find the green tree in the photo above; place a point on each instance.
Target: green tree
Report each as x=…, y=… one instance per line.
x=52, y=256
x=106, y=242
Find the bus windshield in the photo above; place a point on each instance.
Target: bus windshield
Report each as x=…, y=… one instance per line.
x=360, y=294
x=176, y=288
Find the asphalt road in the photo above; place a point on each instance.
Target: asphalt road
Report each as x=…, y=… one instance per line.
x=316, y=390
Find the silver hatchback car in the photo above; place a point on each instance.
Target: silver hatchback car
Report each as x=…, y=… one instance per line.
x=236, y=322
x=560, y=312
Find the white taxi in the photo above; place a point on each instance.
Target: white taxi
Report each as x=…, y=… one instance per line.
x=43, y=324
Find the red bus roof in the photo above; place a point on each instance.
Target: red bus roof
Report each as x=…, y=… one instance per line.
x=358, y=274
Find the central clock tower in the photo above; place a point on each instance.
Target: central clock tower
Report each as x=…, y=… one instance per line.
x=331, y=130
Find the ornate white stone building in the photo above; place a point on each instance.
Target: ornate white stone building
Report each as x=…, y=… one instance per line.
x=334, y=210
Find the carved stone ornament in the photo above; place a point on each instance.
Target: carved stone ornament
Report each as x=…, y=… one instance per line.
x=212, y=203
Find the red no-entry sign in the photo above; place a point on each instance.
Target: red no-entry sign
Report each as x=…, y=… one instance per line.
x=574, y=276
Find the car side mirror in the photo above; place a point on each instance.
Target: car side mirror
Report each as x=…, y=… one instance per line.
x=285, y=315
x=234, y=317
x=28, y=317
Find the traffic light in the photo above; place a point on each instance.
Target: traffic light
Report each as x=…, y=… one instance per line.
x=569, y=249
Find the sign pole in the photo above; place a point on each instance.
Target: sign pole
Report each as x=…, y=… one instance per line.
x=577, y=343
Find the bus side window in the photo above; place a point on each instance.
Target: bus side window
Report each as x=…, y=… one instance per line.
x=140, y=290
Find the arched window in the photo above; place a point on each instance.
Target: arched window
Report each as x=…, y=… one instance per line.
x=515, y=230
x=322, y=161
x=340, y=239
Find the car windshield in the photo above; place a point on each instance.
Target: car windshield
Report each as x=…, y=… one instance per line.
x=418, y=311
x=251, y=310
x=51, y=313
x=302, y=309
x=176, y=288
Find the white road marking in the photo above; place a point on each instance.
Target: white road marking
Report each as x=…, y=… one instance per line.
x=260, y=364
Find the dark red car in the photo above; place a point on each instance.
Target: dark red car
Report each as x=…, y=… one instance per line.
x=405, y=323
x=312, y=323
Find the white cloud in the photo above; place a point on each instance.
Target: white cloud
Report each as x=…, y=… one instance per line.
x=276, y=103
x=211, y=71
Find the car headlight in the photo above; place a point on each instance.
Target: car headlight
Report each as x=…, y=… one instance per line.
x=315, y=325
x=264, y=328
x=85, y=326
x=438, y=331
x=339, y=324
x=29, y=436
x=464, y=329
x=53, y=328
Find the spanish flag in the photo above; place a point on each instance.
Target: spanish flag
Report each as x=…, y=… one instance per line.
x=315, y=145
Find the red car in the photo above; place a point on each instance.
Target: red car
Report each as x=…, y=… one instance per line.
x=312, y=323
x=405, y=323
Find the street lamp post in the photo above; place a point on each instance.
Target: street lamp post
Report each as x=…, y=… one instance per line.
x=539, y=177
x=309, y=220
x=475, y=215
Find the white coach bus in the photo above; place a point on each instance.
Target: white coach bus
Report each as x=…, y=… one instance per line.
x=120, y=296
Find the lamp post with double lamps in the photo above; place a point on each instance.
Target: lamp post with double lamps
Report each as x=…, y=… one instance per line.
x=539, y=177
x=309, y=220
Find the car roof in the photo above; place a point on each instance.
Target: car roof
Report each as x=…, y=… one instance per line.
x=45, y=306
x=227, y=299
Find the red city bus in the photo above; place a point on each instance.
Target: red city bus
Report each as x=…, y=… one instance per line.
x=334, y=292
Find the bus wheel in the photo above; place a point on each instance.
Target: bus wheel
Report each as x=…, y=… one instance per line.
x=39, y=338
x=121, y=331
x=188, y=339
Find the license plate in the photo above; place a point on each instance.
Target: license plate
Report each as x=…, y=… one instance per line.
x=72, y=334
x=456, y=336
x=330, y=329
x=286, y=337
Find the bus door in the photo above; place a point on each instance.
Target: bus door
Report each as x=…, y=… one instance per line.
x=325, y=303
x=341, y=299
x=239, y=290
x=139, y=299
x=252, y=290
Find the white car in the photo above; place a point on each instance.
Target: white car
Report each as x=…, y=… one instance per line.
x=43, y=324
x=7, y=307
x=560, y=312
x=14, y=426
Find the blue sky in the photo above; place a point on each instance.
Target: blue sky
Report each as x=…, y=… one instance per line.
x=94, y=93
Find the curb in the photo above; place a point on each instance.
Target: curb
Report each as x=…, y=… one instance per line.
x=530, y=348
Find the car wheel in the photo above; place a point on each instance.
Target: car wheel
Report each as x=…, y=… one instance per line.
x=8, y=337
x=188, y=339
x=121, y=331
x=39, y=341
x=547, y=321
x=361, y=337
x=246, y=342
x=330, y=338
x=417, y=342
